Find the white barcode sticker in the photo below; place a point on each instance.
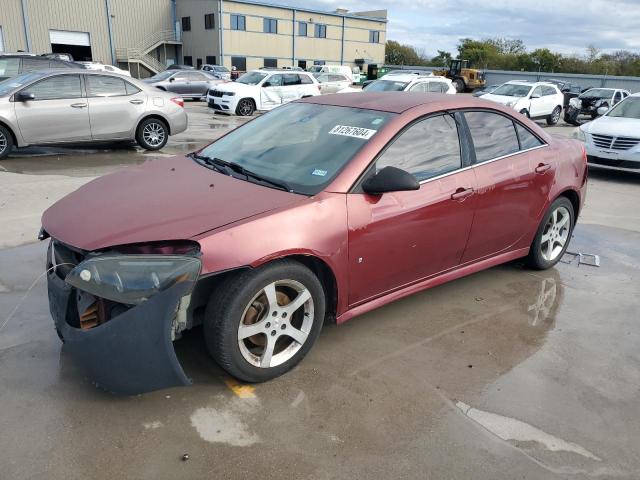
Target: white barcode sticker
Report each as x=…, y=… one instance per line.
x=356, y=132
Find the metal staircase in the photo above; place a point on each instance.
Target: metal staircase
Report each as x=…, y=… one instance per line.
x=141, y=54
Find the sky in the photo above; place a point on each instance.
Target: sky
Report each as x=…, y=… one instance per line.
x=565, y=26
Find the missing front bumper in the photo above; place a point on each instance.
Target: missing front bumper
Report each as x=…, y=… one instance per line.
x=130, y=354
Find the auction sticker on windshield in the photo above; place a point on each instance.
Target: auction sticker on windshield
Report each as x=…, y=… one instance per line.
x=356, y=132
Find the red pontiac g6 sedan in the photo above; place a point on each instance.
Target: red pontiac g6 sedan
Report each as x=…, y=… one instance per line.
x=324, y=208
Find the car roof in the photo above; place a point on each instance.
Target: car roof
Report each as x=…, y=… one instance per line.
x=399, y=102
x=410, y=77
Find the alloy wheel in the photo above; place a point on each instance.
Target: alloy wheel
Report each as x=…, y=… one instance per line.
x=153, y=134
x=275, y=324
x=245, y=107
x=3, y=143
x=555, y=117
x=555, y=234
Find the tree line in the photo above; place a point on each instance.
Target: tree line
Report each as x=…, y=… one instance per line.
x=508, y=54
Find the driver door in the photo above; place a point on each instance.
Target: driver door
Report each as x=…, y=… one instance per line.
x=400, y=238
x=271, y=91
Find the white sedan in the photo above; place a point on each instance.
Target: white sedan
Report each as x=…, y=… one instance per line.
x=332, y=82
x=105, y=68
x=613, y=140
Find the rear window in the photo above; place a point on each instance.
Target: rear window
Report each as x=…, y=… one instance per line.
x=104, y=86
x=9, y=67
x=386, y=86
x=493, y=135
x=527, y=139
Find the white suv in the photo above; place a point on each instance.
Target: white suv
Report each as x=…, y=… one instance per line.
x=407, y=82
x=261, y=90
x=536, y=100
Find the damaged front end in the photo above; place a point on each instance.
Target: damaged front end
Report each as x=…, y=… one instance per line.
x=118, y=310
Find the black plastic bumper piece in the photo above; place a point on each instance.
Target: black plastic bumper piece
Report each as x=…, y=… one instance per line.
x=131, y=353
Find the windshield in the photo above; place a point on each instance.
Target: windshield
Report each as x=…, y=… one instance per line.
x=315, y=68
x=628, y=108
x=512, y=90
x=251, y=78
x=12, y=84
x=597, y=93
x=158, y=77
x=301, y=144
x=386, y=86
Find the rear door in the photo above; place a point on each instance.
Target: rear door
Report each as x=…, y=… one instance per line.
x=115, y=106
x=537, y=107
x=399, y=238
x=59, y=112
x=180, y=84
x=198, y=84
x=514, y=174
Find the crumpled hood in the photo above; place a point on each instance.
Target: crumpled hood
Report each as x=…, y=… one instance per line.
x=614, y=126
x=168, y=199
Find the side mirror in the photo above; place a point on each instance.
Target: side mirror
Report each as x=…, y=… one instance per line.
x=26, y=96
x=172, y=79
x=390, y=179
x=602, y=110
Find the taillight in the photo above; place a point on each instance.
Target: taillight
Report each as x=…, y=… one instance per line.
x=178, y=101
x=584, y=154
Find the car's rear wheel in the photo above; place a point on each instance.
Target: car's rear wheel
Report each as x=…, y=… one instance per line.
x=6, y=142
x=245, y=107
x=554, y=118
x=553, y=235
x=152, y=134
x=262, y=322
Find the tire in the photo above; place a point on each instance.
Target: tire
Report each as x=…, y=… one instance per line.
x=554, y=118
x=245, y=107
x=152, y=134
x=459, y=84
x=242, y=304
x=525, y=112
x=6, y=142
x=552, y=237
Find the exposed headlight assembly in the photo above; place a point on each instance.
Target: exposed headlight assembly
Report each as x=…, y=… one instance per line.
x=132, y=279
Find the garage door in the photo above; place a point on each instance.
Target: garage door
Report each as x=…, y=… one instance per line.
x=65, y=37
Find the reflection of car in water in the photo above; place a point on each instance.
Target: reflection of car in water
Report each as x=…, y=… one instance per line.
x=545, y=303
x=588, y=103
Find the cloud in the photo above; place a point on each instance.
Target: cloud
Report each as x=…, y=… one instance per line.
x=566, y=26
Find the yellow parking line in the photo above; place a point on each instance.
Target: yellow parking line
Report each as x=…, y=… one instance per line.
x=241, y=390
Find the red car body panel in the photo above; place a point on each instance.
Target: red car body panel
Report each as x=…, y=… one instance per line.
x=379, y=248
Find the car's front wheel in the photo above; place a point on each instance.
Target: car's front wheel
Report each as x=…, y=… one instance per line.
x=554, y=118
x=152, y=134
x=553, y=235
x=6, y=142
x=459, y=84
x=245, y=107
x=260, y=323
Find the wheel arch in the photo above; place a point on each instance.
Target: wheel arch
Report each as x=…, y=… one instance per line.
x=573, y=197
x=11, y=132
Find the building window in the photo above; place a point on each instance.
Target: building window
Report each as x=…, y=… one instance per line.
x=318, y=62
x=240, y=63
x=238, y=22
x=271, y=63
x=302, y=29
x=209, y=21
x=302, y=64
x=211, y=59
x=186, y=24
x=374, y=36
x=188, y=60
x=321, y=31
x=270, y=25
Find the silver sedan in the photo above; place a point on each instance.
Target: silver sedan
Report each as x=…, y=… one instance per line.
x=77, y=106
x=186, y=83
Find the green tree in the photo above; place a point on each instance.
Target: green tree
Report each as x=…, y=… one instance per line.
x=399, y=54
x=443, y=59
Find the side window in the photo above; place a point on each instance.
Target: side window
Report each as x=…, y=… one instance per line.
x=9, y=67
x=537, y=92
x=103, y=86
x=527, y=139
x=418, y=87
x=291, y=79
x=427, y=149
x=131, y=89
x=197, y=77
x=617, y=97
x=181, y=76
x=435, y=87
x=34, y=64
x=305, y=79
x=275, y=80
x=548, y=91
x=62, y=86
x=493, y=135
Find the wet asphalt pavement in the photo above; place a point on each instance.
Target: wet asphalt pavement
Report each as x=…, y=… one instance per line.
x=504, y=374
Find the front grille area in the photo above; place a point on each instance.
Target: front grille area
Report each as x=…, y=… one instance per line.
x=65, y=257
x=610, y=142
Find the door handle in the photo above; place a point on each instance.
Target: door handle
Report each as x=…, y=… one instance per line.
x=461, y=193
x=136, y=102
x=542, y=167
x=79, y=105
